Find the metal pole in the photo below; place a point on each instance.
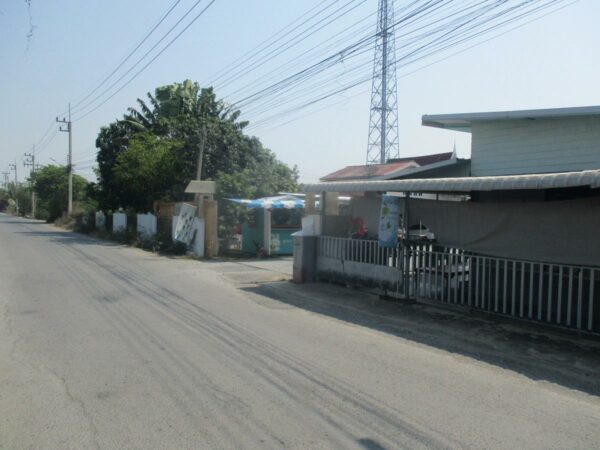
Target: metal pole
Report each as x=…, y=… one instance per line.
x=406, y=248
x=384, y=31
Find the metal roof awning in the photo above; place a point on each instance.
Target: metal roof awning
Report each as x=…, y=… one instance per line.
x=464, y=121
x=589, y=178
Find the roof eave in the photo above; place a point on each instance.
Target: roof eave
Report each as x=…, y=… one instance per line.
x=589, y=178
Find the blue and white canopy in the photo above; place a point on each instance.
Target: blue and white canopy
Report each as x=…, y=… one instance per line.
x=277, y=202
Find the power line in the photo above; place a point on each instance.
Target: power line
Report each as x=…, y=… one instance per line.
x=149, y=62
x=277, y=115
x=145, y=38
x=259, y=48
x=134, y=65
x=300, y=37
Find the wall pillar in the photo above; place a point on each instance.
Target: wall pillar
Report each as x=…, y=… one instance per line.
x=211, y=239
x=267, y=230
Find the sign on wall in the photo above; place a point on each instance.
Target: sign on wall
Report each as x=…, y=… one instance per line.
x=185, y=223
x=389, y=219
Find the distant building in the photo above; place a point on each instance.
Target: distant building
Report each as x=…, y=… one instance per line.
x=439, y=164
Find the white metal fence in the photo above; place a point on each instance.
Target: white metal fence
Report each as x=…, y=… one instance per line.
x=557, y=294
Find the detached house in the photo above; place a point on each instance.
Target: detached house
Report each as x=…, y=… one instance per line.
x=515, y=228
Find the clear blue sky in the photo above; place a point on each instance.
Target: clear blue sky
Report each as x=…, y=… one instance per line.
x=552, y=62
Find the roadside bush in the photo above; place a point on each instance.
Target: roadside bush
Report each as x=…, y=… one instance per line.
x=84, y=222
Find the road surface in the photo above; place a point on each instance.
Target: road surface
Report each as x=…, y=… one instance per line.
x=103, y=346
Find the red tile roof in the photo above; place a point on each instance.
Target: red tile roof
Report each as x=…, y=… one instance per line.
x=379, y=170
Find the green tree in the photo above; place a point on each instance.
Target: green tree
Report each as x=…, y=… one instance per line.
x=265, y=175
x=147, y=170
x=18, y=196
x=3, y=200
x=111, y=142
x=168, y=132
x=51, y=185
x=194, y=116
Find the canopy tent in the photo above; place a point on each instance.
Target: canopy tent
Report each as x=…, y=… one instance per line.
x=277, y=202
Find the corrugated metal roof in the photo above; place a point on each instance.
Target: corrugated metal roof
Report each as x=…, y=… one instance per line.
x=393, y=168
x=467, y=184
x=368, y=171
x=463, y=121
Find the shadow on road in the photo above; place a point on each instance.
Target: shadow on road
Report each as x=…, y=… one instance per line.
x=68, y=238
x=538, y=353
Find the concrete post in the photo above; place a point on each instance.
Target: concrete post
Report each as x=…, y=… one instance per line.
x=211, y=240
x=267, y=230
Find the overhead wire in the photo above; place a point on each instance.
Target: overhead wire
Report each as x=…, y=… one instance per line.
x=129, y=55
x=279, y=114
x=366, y=79
x=139, y=61
x=41, y=145
x=295, y=40
x=148, y=63
x=261, y=46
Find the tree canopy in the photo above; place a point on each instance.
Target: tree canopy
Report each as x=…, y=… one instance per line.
x=51, y=185
x=152, y=153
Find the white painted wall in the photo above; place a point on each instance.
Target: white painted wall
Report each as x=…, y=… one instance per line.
x=146, y=225
x=515, y=147
x=119, y=222
x=197, y=244
x=100, y=220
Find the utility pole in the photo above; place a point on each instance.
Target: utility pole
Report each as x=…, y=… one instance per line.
x=198, y=197
x=69, y=130
x=5, y=176
x=30, y=161
x=383, y=122
x=14, y=167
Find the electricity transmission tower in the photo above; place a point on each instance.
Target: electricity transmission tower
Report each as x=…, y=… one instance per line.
x=383, y=123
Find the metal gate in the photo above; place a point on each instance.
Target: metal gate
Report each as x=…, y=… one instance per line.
x=556, y=294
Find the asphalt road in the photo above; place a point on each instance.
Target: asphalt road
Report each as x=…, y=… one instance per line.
x=103, y=346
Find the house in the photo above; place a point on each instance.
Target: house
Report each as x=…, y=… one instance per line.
x=363, y=207
x=528, y=142
x=515, y=236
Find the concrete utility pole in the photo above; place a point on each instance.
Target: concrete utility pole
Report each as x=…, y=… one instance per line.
x=69, y=130
x=5, y=176
x=198, y=197
x=14, y=167
x=30, y=161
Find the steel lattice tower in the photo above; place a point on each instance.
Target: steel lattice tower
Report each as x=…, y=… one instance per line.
x=383, y=123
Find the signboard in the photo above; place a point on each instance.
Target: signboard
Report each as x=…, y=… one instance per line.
x=389, y=220
x=201, y=187
x=185, y=223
